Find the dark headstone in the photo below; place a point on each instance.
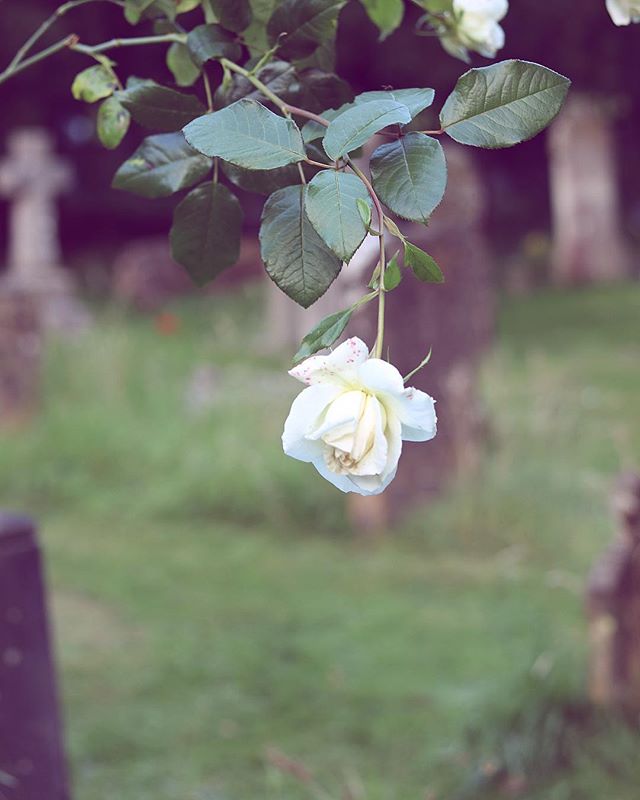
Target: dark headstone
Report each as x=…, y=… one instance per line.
x=613, y=607
x=32, y=765
x=146, y=278
x=454, y=319
x=20, y=349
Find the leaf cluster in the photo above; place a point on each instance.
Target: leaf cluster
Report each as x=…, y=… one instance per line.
x=275, y=119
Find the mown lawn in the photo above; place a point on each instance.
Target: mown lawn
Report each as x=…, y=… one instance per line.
x=214, y=613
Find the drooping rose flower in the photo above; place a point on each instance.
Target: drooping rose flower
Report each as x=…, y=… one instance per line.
x=476, y=28
x=351, y=419
x=624, y=12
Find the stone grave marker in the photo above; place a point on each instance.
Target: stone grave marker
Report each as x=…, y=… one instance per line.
x=32, y=177
x=20, y=350
x=613, y=607
x=455, y=319
x=32, y=764
x=588, y=245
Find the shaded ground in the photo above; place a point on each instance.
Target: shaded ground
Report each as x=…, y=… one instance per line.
x=213, y=608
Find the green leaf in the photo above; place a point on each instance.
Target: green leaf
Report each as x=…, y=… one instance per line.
x=255, y=36
x=206, y=232
x=356, y=125
x=134, y=9
x=314, y=130
x=277, y=76
x=326, y=332
x=416, y=100
x=247, y=134
x=209, y=42
x=93, y=83
x=392, y=274
x=302, y=25
x=183, y=6
x=424, y=267
x=393, y=229
x=162, y=165
x=158, y=107
x=261, y=181
x=179, y=61
x=410, y=175
x=112, y=123
x=504, y=104
x=234, y=15
x=364, y=209
x=331, y=205
x=295, y=257
x=316, y=90
x=385, y=14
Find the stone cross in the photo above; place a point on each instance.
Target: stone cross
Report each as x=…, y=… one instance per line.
x=32, y=178
x=588, y=245
x=613, y=608
x=32, y=764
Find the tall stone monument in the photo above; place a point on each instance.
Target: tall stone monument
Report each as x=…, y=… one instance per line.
x=588, y=244
x=613, y=607
x=455, y=320
x=32, y=177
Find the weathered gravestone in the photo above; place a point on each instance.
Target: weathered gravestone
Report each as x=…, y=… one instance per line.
x=613, y=607
x=32, y=765
x=286, y=323
x=588, y=244
x=145, y=277
x=20, y=349
x=31, y=176
x=455, y=319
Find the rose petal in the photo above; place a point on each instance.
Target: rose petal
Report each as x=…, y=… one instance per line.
x=337, y=367
x=491, y=9
x=416, y=411
x=371, y=452
x=305, y=412
x=380, y=377
x=619, y=12
x=342, y=482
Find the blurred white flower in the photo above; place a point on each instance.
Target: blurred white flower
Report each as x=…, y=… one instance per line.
x=475, y=27
x=351, y=419
x=624, y=12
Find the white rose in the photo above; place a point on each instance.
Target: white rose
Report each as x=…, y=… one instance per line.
x=624, y=12
x=351, y=419
x=477, y=28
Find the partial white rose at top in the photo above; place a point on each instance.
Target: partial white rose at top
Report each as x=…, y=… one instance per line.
x=475, y=27
x=351, y=419
x=624, y=12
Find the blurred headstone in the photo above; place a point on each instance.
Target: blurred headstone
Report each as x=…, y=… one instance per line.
x=454, y=319
x=20, y=350
x=287, y=323
x=146, y=278
x=588, y=245
x=31, y=177
x=202, y=390
x=613, y=607
x=32, y=764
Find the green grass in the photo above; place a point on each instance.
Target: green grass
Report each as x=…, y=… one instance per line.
x=212, y=606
